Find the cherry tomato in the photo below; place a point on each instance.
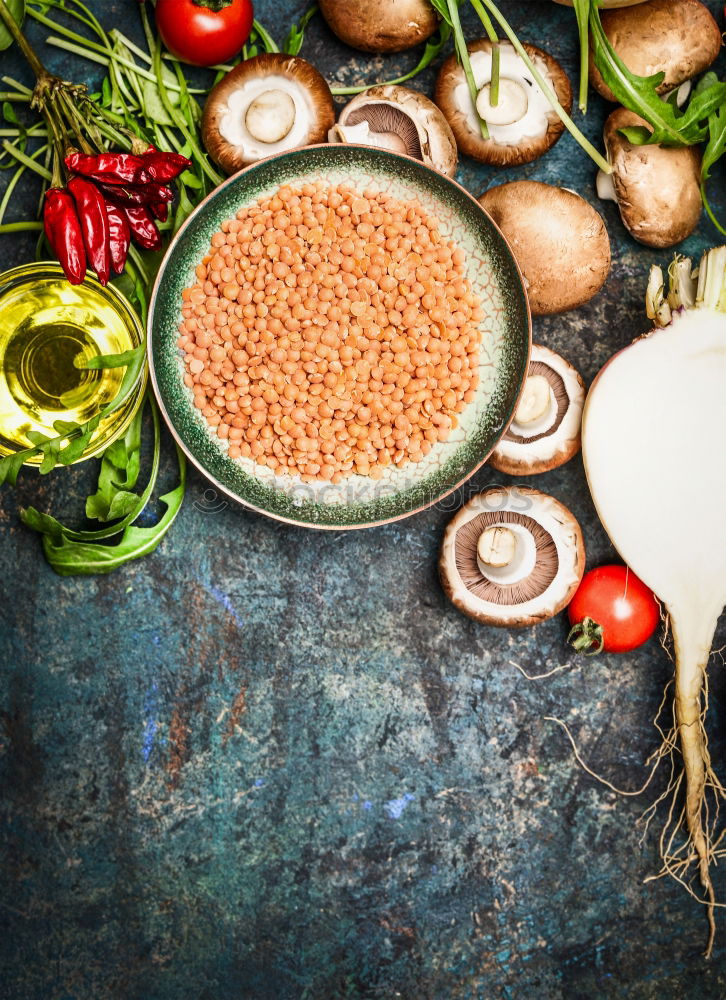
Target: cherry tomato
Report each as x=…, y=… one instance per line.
x=612, y=610
x=204, y=32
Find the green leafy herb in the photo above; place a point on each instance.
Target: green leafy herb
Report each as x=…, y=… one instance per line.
x=715, y=149
x=82, y=553
x=17, y=9
x=582, y=13
x=296, y=34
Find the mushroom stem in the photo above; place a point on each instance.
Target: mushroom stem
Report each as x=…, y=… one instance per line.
x=535, y=402
x=270, y=116
x=511, y=106
x=605, y=187
x=496, y=546
x=361, y=133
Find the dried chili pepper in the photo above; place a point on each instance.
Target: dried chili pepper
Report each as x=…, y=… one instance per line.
x=63, y=229
x=141, y=194
x=94, y=225
x=160, y=210
x=120, y=236
x=143, y=227
x=164, y=167
x=111, y=168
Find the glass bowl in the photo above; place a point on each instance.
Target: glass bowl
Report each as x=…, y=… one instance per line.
x=47, y=328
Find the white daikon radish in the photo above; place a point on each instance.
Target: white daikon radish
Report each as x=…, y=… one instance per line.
x=653, y=434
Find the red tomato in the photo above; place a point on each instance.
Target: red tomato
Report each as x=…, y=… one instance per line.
x=612, y=610
x=204, y=32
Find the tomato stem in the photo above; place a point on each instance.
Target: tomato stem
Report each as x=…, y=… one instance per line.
x=586, y=634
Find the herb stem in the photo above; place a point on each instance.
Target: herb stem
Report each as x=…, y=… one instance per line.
x=26, y=160
x=21, y=227
x=583, y=141
x=463, y=54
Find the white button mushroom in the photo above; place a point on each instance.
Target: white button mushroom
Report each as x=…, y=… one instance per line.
x=380, y=25
x=265, y=105
x=522, y=124
x=401, y=120
x=679, y=38
x=512, y=556
x=559, y=240
x=545, y=431
x=656, y=188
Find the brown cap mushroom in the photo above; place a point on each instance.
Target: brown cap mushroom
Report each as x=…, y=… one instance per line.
x=545, y=430
x=657, y=188
x=604, y=3
x=677, y=37
x=380, y=25
x=522, y=125
x=559, y=240
x=512, y=556
x=265, y=105
x=402, y=120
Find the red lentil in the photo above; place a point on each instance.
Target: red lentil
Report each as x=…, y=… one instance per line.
x=331, y=333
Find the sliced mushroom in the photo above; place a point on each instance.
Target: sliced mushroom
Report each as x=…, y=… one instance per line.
x=677, y=37
x=559, y=240
x=657, y=188
x=545, y=431
x=380, y=25
x=265, y=105
x=522, y=124
x=512, y=556
x=401, y=120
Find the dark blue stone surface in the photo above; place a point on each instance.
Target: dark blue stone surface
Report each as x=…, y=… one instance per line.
x=271, y=764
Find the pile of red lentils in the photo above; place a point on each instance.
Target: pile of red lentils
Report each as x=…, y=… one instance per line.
x=331, y=333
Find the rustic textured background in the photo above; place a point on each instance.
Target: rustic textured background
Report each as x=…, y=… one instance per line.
x=271, y=764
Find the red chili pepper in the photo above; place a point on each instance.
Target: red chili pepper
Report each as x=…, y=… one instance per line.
x=63, y=229
x=94, y=225
x=111, y=168
x=143, y=227
x=141, y=194
x=160, y=210
x=164, y=167
x=120, y=232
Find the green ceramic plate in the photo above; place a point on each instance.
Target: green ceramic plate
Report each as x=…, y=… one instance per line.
x=359, y=501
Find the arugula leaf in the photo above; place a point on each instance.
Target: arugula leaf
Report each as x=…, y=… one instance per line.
x=296, y=34
x=79, y=558
x=119, y=472
x=670, y=126
x=715, y=149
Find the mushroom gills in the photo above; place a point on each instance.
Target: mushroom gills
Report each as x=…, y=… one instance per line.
x=267, y=114
x=383, y=125
x=511, y=542
x=522, y=111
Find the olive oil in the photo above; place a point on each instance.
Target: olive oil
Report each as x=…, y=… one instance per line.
x=48, y=330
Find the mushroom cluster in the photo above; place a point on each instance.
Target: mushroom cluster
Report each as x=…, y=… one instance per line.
x=401, y=120
x=512, y=556
x=657, y=188
x=380, y=25
x=545, y=431
x=679, y=38
x=558, y=239
x=265, y=105
x=521, y=124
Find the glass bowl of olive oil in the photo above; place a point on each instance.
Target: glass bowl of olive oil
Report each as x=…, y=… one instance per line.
x=48, y=330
